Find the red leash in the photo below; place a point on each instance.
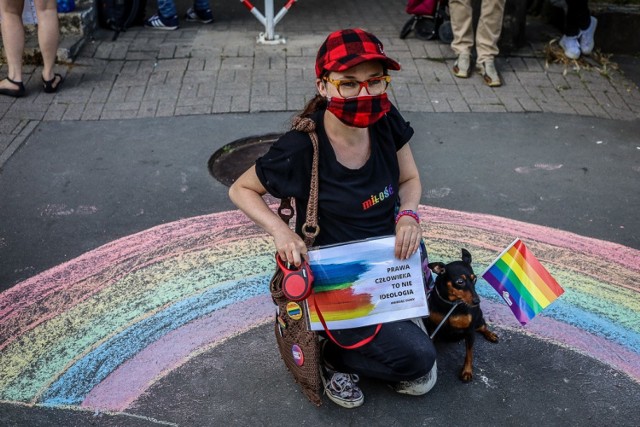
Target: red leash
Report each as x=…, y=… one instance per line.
x=360, y=343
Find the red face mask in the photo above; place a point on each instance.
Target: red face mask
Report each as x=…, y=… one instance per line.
x=360, y=111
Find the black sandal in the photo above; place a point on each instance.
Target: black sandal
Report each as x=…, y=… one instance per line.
x=48, y=84
x=16, y=93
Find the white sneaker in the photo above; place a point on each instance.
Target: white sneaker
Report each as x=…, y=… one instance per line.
x=419, y=386
x=571, y=46
x=586, y=37
x=462, y=66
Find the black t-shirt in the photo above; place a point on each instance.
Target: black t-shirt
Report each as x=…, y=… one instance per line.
x=353, y=204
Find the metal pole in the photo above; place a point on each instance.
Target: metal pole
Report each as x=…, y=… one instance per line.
x=255, y=12
x=283, y=11
x=268, y=12
x=269, y=20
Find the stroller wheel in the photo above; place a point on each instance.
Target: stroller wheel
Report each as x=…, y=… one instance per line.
x=408, y=26
x=445, y=33
x=426, y=28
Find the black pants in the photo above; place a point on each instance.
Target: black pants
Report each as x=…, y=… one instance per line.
x=400, y=352
x=578, y=17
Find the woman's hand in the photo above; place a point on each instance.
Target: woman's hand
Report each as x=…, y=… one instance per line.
x=408, y=235
x=290, y=247
x=408, y=231
x=247, y=193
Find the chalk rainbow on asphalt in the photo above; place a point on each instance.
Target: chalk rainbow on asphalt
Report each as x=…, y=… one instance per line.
x=99, y=330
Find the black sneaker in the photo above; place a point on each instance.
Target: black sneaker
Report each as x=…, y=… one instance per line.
x=202, y=16
x=342, y=389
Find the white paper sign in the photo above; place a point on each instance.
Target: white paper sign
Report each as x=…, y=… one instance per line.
x=362, y=283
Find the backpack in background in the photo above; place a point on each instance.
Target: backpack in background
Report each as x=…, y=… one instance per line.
x=118, y=15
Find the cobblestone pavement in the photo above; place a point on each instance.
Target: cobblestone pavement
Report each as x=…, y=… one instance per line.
x=219, y=68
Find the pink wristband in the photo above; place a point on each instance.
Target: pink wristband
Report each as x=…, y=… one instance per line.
x=412, y=214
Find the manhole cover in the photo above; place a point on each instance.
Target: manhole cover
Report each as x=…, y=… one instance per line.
x=229, y=162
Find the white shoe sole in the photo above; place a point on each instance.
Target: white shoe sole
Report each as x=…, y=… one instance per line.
x=422, y=389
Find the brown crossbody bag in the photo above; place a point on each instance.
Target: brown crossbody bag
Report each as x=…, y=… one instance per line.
x=298, y=345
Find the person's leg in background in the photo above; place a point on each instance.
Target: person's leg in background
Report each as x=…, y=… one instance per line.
x=487, y=36
x=579, y=31
x=577, y=17
x=13, y=41
x=166, y=18
x=48, y=36
x=461, y=14
x=200, y=12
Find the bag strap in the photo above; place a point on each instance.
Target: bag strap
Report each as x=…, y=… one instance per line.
x=310, y=228
x=360, y=343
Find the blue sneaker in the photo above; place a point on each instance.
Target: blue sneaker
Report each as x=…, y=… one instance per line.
x=158, y=22
x=202, y=16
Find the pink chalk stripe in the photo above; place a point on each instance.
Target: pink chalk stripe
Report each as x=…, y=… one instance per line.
x=577, y=339
x=126, y=249
x=76, y=271
x=62, y=287
x=124, y=385
x=71, y=283
x=619, y=254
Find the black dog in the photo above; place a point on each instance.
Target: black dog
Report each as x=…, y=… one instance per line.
x=455, y=291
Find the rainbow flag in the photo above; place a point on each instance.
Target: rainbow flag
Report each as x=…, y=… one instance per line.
x=522, y=281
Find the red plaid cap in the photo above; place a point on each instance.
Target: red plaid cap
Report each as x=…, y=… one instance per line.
x=344, y=49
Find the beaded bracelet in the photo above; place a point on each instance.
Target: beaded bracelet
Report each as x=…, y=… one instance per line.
x=412, y=214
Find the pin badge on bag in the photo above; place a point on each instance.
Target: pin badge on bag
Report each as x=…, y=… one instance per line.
x=281, y=322
x=294, y=310
x=298, y=355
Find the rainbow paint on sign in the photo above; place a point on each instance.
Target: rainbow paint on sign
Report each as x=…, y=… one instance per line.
x=525, y=285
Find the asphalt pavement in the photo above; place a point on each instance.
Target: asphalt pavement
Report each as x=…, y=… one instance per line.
x=121, y=153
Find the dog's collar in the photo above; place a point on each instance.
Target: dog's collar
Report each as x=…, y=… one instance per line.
x=446, y=300
x=457, y=302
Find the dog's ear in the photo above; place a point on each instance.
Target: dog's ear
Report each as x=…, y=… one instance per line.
x=437, y=267
x=466, y=256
